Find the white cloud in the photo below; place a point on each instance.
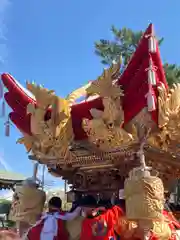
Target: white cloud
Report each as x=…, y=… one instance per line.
x=4, y=4
x=3, y=162
x=4, y=7
x=6, y=194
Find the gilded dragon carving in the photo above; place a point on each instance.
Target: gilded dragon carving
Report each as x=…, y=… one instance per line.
x=50, y=139
x=27, y=204
x=168, y=117
x=105, y=129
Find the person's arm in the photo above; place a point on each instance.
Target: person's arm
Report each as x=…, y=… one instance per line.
x=72, y=215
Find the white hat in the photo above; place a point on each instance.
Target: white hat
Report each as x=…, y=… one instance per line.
x=121, y=194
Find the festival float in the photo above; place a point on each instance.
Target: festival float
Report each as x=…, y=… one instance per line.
x=125, y=134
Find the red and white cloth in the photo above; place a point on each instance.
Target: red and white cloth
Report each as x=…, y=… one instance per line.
x=47, y=228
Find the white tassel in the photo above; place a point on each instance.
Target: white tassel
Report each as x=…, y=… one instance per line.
x=150, y=102
x=151, y=77
x=151, y=73
x=7, y=129
x=3, y=109
x=152, y=44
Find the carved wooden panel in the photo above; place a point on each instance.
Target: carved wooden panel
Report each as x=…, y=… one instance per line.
x=79, y=180
x=107, y=173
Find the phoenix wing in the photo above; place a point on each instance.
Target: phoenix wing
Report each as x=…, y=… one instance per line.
x=18, y=99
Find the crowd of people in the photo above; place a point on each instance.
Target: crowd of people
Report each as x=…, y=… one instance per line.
x=100, y=220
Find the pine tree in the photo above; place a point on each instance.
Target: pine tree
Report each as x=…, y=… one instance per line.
x=124, y=44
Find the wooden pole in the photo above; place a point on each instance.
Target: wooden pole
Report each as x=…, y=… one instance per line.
x=65, y=195
x=43, y=172
x=35, y=170
x=65, y=187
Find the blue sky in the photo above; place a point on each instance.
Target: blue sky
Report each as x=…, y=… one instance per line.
x=52, y=43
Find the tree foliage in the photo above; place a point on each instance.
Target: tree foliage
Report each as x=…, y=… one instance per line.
x=124, y=45
x=5, y=206
x=172, y=73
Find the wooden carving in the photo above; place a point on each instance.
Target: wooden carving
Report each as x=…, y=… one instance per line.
x=79, y=180
x=27, y=205
x=168, y=118
x=105, y=129
x=145, y=203
x=50, y=139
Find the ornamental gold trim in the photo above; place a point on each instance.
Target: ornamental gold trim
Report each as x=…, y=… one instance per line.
x=49, y=138
x=168, y=118
x=105, y=128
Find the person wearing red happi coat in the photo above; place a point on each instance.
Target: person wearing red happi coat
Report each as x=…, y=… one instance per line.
x=56, y=231
x=51, y=225
x=99, y=222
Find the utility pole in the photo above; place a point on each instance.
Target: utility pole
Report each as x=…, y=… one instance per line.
x=43, y=172
x=65, y=192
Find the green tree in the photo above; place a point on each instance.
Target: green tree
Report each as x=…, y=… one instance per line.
x=5, y=206
x=172, y=73
x=123, y=45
